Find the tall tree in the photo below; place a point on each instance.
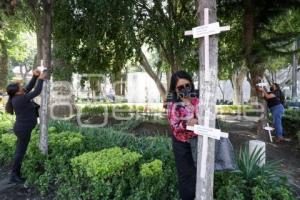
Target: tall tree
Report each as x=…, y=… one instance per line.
x=257, y=15
x=120, y=31
x=231, y=65
x=46, y=49
x=10, y=29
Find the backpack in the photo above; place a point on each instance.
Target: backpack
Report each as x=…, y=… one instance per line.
x=279, y=94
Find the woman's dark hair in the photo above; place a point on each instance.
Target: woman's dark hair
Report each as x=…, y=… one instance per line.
x=277, y=86
x=11, y=90
x=172, y=96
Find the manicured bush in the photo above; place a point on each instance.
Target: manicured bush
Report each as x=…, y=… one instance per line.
x=149, y=147
x=100, y=109
x=152, y=169
x=107, y=174
x=247, y=110
x=151, y=181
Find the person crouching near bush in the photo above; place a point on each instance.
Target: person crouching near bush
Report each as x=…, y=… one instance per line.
x=182, y=105
x=276, y=108
x=20, y=103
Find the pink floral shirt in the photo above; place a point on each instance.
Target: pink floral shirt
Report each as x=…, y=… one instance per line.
x=178, y=115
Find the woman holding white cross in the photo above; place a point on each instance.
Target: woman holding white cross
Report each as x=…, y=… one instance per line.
x=21, y=104
x=182, y=112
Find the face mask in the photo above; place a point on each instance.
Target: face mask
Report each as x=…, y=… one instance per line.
x=271, y=89
x=185, y=92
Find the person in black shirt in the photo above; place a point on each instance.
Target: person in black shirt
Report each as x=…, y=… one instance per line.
x=21, y=104
x=275, y=88
x=276, y=108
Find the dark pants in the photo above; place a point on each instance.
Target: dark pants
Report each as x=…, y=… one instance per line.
x=185, y=169
x=23, y=138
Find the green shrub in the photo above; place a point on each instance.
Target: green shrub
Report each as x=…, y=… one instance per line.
x=85, y=163
x=248, y=165
x=271, y=189
x=7, y=147
x=107, y=174
x=149, y=147
x=104, y=164
x=151, y=182
x=120, y=109
x=291, y=122
x=6, y=122
x=229, y=185
x=152, y=169
x=44, y=171
x=298, y=136
x=251, y=181
x=247, y=110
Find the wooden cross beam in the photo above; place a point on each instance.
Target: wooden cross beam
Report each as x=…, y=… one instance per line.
x=269, y=129
x=205, y=31
x=206, y=132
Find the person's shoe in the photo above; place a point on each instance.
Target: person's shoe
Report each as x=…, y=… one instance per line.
x=16, y=179
x=279, y=139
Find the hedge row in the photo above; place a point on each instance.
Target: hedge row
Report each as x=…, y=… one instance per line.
x=291, y=122
x=96, y=165
x=125, y=108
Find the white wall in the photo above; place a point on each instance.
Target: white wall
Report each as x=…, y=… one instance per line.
x=140, y=87
x=228, y=91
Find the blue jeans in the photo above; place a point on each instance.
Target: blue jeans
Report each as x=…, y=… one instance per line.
x=277, y=112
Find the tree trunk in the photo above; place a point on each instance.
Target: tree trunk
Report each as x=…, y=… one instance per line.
x=221, y=90
x=294, y=74
x=39, y=54
x=248, y=28
x=62, y=102
x=237, y=80
x=36, y=12
x=3, y=65
x=124, y=80
x=95, y=87
x=46, y=48
x=146, y=66
x=168, y=77
x=118, y=79
x=25, y=72
x=175, y=68
x=207, y=105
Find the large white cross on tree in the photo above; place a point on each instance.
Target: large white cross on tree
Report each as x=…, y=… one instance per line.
x=208, y=77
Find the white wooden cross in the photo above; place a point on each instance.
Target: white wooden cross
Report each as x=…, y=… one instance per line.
x=269, y=129
x=262, y=84
x=206, y=133
x=203, y=187
x=41, y=67
x=205, y=31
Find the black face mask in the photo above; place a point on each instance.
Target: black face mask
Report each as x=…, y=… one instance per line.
x=185, y=92
x=271, y=89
